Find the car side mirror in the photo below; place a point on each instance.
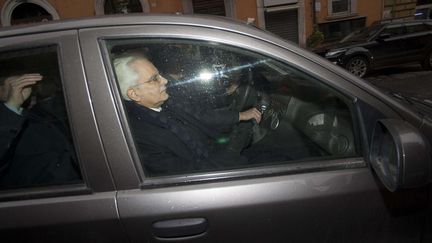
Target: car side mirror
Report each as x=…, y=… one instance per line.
x=400, y=155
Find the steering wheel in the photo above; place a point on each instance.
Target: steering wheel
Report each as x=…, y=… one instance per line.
x=247, y=97
x=245, y=133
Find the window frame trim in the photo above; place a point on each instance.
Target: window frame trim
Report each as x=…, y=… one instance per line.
x=314, y=164
x=352, y=9
x=267, y=171
x=127, y=177
x=66, y=45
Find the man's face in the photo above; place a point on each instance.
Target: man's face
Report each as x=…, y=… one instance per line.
x=151, y=89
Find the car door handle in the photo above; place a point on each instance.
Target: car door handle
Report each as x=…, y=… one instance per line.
x=179, y=227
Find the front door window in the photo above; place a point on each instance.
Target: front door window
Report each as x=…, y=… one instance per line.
x=195, y=106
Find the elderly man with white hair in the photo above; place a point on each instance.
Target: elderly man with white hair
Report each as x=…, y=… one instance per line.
x=171, y=137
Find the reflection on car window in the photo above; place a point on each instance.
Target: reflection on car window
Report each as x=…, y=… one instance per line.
x=416, y=28
x=197, y=106
x=36, y=146
x=363, y=34
x=394, y=30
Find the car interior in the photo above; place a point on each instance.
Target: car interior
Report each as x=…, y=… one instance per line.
x=302, y=119
x=45, y=110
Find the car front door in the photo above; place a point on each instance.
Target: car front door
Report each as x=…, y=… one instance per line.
x=300, y=175
x=390, y=44
x=55, y=185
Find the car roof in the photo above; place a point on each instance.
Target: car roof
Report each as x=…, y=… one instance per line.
x=129, y=19
x=399, y=21
x=206, y=21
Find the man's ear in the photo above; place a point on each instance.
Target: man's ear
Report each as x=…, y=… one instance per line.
x=132, y=94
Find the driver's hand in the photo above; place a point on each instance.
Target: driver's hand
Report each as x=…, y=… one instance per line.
x=250, y=114
x=17, y=89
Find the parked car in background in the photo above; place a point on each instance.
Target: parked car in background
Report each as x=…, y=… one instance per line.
x=334, y=159
x=382, y=45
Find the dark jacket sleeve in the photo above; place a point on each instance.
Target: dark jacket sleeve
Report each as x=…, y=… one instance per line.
x=214, y=118
x=10, y=126
x=219, y=118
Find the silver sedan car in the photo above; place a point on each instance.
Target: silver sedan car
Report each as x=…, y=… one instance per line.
x=170, y=128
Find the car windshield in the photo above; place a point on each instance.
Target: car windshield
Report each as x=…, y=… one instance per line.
x=362, y=34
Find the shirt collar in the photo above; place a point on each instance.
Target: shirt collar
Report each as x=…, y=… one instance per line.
x=159, y=109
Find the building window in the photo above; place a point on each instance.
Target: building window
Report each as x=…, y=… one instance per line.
x=29, y=13
x=122, y=6
x=337, y=30
x=423, y=2
x=340, y=6
x=214, y=7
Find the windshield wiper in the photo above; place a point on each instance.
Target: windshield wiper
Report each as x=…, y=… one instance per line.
x=423, y=105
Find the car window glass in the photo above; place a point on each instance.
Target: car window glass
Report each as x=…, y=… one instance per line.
x=36, y=147
x=195, y=106
x=362, y=34
x=417, y=28
x=394, y=31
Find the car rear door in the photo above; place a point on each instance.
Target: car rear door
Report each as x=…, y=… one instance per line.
x=37, y=208
x=300, y=196
x=419, y=39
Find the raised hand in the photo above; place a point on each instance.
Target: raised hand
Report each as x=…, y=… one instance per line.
x=17, y=89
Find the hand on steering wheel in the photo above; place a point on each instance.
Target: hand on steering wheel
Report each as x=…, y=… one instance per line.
x=250, y=114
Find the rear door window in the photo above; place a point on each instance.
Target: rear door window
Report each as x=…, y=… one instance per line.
x=36, y=143
x=417, y=28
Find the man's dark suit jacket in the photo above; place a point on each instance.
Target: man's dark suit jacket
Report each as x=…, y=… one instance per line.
x=179, y=138
x=36, y=148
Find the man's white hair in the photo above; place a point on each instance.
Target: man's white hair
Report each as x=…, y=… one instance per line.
x=127, y=77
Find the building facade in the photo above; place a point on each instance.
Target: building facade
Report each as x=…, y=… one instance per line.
x=295, y=20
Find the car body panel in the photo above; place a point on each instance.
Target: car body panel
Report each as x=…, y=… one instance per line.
x=229, y=200
x=343, y=201
x=62, y=219
x=112, y=127
x=56, y=213
x=279, y=209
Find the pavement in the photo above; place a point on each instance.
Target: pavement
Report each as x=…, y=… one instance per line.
x=410, y=80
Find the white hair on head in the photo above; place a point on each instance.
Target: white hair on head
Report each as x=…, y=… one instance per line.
x=127, y=77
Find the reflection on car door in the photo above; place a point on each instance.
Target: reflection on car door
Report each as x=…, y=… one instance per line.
x=338, y=200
